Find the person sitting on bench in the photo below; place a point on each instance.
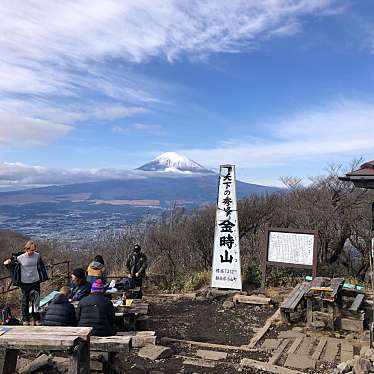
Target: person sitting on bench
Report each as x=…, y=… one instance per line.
x=80, y=287
x=61, y=312
x=97, y=311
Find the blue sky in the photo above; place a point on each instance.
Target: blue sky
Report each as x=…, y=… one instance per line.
x=277, y=87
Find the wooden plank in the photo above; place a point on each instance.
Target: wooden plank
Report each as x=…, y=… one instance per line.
x=346, y=352
x=111, y=343
x=278, y=353
x=42, y=342
x=332, y=349
x=305, y=347
x=271, y=343
x=317, y=353
x=256, y=300
x=297, y=362
x=296, y=295
x=350, y=324
x=357, y=303
x=81, y=332
x=295, y=345
x=263, y=331
x=267, y=367
x=245, y=348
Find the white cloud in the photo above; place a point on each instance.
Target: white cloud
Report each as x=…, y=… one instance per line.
x=19, y=174
x=25, y=130
x=340, y=129
x=48, y=43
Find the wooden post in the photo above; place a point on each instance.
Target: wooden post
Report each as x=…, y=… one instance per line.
x=265, y=258
x=8, y=360
x=309, y=312
x=331, y=314
x=79, y=359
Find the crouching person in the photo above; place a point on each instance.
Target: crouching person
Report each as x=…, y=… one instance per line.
x=61, y=312
x=96, y=311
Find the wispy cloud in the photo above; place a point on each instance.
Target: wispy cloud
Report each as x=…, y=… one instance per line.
x=143, y=127
x=54, y=54
x=343, y=128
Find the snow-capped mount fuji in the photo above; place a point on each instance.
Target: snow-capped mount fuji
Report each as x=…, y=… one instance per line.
x=173, y=162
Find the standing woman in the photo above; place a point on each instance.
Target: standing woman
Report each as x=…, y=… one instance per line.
x=28, y=271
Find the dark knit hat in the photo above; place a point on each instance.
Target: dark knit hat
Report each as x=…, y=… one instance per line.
x=97, y=286
x=100, y=259
x=79, y=273
x=137, y=248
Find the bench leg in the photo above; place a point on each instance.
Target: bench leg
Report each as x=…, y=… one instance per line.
x=331, y=313
x=108, y=363
x=309, y=313
x=79, y=359
x=8, y=360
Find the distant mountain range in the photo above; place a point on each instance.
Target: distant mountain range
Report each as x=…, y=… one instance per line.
x=168, y=178
x=79, y=212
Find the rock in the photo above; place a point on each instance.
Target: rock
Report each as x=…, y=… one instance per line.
x=211, y=355
x=318, y=325
x=369, y=354
x=362, y=366
x=155, y=352
x=343, y=367
x=39, y=363
x=199, y=362
x=228, y=304
x=298, y=329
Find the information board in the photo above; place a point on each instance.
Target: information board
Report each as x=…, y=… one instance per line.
x=291, y=248
x=294, y=248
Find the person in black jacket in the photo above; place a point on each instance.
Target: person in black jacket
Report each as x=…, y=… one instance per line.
x=136, y=264
x=60, y=312
x=79, y=285
x=27, y=271
x=96, y=311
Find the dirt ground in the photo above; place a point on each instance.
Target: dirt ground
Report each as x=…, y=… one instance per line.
x=203, y=321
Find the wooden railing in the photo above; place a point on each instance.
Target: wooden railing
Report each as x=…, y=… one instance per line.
x=7, y=287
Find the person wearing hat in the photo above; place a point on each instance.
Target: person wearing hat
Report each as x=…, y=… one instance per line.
x=96, y=270
x=28, y=271
x=79, y=285
x=97, y=311
x=136, y=264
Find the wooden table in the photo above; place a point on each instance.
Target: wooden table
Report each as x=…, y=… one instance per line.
x=73, y=340
x=325, y=293
x=137, y=308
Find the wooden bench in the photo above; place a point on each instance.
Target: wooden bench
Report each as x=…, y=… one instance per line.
x=75, y=341
x=109, y=347
x=293, y=300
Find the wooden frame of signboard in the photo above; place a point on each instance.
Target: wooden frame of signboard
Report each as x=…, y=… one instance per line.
x=266, y=262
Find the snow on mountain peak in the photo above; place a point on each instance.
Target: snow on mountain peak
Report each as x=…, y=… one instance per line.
x=173, y=162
